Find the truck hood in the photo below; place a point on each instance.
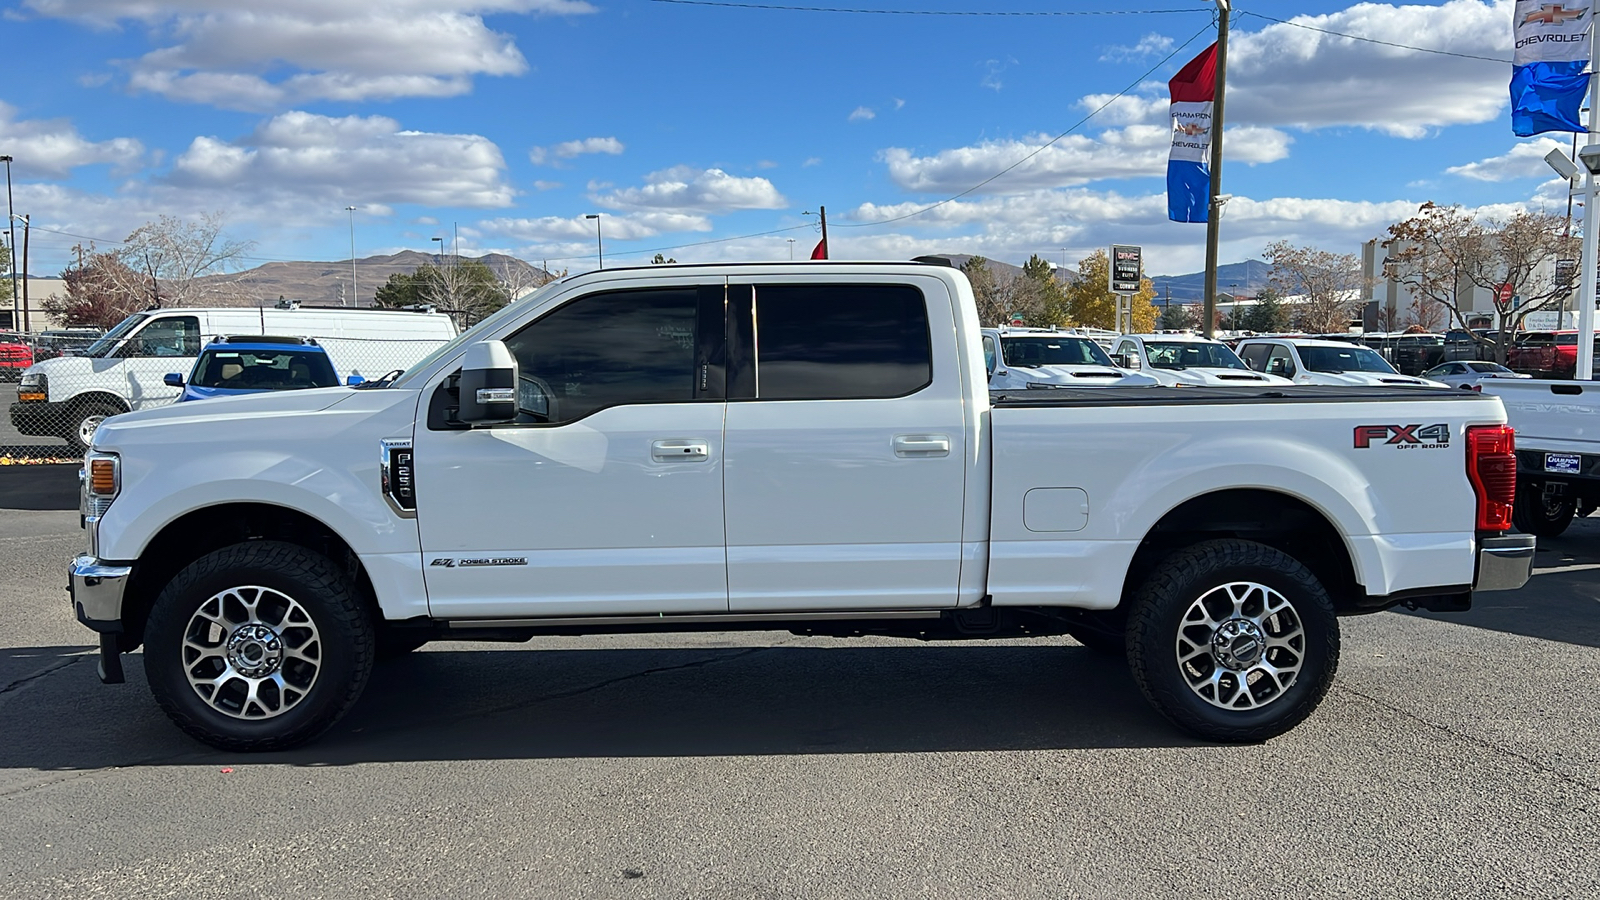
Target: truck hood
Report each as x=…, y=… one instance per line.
x=1368, y=379
x=220, y=416
x=1217, y=377
x=1082, y=376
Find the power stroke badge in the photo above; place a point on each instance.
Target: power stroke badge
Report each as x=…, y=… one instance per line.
x=468, y=562
x=1403, y=437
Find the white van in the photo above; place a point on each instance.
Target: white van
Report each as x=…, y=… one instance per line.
x=68, y=397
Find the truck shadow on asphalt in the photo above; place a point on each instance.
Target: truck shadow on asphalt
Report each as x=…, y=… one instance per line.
x=1561, y=602
x=459, y=704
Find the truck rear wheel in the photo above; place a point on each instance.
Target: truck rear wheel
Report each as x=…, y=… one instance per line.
x=1233, y=641
x=1541, y=514
x=258, y=646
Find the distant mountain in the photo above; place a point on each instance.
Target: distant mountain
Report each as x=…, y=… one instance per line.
x=998, y=268
x=328, y=283
x=1242, y=278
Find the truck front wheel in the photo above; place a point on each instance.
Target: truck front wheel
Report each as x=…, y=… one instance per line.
x=1233, y=641
x=258, y=646
x=85, y=418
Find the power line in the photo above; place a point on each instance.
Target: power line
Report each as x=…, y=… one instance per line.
x=1367, y=40
x=935, y=12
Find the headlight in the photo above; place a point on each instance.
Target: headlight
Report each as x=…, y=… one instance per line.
x=33, y=387
x=102, y=482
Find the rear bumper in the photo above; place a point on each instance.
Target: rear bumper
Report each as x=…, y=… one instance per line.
x=1505, y=562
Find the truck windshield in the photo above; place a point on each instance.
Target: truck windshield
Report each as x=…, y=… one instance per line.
x=1344, y=359
x=1032, y=352
x=264, y=370
x=108, y=342
x=1191, y=355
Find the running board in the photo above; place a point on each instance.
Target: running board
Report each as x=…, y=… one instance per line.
x=668, y=620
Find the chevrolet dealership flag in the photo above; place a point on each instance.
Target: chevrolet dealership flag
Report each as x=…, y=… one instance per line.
x=1547, y=78
x=1189, y=164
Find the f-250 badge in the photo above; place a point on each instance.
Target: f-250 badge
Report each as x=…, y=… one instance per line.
x=1404, y=437
x=450, y=562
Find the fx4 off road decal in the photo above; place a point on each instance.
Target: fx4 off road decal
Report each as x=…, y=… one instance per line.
x=1403, y=437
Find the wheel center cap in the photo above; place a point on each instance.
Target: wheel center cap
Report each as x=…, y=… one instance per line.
x=1238, y=644
x=255, y=650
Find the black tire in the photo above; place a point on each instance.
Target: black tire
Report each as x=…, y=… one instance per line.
x=77, y=431
x=330, y=611
x=1533, y=514
x=1261, y=707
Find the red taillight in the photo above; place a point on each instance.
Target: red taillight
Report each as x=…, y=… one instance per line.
x=1492, y=469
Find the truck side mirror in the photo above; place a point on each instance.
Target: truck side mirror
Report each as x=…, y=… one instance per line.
x=354, y=380
x=172, y=379
x=488, y=384
x=1131, y=361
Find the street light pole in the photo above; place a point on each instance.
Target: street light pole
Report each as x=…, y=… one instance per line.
x=1591, y=241
x=791, y=249
x=12, y=226
x=599, y=244
x=354, y=296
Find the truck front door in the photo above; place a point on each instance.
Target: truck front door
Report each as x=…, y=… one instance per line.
x=605, y=496
x=846, y=453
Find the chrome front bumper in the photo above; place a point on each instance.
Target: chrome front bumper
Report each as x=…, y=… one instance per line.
x=96, y=590
x=1504, y=562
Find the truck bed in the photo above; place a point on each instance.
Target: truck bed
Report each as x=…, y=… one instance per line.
x=1210, y=396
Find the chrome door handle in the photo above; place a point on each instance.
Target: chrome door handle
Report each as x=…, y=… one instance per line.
x=680, y=451
x=914, y=446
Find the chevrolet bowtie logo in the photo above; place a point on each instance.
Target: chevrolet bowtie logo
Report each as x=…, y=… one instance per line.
x=1191, y=129
x=1553, y=14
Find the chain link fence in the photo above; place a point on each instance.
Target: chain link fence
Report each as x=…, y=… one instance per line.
x=78, y=381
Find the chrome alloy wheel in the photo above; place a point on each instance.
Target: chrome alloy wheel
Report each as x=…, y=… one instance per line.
x=251, y=652
x=1241, y=645
x=87, y=427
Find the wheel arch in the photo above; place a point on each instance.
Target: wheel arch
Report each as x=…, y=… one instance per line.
x=201, y=531
x=1274, y=518
x=78, y=401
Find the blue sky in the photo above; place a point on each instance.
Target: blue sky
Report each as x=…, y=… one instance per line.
x=510, y=120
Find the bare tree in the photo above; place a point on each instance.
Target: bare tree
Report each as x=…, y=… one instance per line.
x=991, y=307
x=1326, y=281
x=1427, y=315
x=1388, y=317
x=1443, y=253
x=171, y=255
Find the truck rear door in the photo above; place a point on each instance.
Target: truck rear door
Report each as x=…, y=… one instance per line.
x=845, y=444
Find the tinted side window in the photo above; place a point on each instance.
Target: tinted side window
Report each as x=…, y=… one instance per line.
x=840, y=342
x=611, y=349
x=989, y=353
x=1255, y=356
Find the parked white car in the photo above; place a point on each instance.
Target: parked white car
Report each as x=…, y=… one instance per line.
x=1186, y=360
x=1311, y=361
x=1470, y=374
x=1021, y=358
x=616, y=453
x=69, y=396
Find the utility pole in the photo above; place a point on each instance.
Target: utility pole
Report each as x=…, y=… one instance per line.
x=12, y=226
x=355, y=292
x=1214, y=209
x=27, y=229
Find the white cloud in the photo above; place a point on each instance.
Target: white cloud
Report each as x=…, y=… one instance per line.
x=367, y=159
x=546, y=185
x=1148, y=46
x=992, y=70
x=685, y=188
x=862, y=114
x=52, y=148
x=331, y=50
x=1523, y=160
x=1133, y=152
x=811, y=161
x=632, y=226
x=899, y=104
x=569, y=149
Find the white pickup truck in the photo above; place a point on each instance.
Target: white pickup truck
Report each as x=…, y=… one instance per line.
x=1558, y=450
x=808, y=447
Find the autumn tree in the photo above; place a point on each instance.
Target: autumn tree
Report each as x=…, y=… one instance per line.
x=985, y=288
x=1444, y=254
x=1090, y=302
x=660, y=260
x=1326, y=282
x=101, y=291
x=174, y=256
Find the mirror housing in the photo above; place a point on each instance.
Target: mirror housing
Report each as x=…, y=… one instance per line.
x=488, y=384
x=172, y=379
x=1131, y=361
x=354, y=380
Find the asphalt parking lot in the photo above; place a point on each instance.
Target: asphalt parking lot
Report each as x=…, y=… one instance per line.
x=1457, y=756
